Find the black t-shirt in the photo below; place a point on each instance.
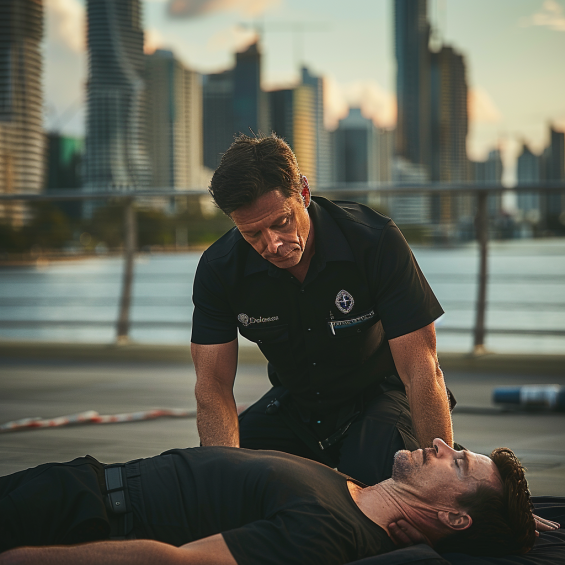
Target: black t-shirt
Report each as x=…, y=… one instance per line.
x=270, y=507
x=321, y=336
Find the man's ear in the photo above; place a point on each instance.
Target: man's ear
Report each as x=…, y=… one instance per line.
x=455, y=520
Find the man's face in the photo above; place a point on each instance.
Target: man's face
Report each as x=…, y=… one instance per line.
x=440, y=474
x=276, y=227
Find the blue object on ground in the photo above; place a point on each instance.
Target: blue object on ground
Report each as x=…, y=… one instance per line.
x=532, y=396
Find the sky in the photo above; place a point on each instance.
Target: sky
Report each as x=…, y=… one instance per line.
x=514, y=51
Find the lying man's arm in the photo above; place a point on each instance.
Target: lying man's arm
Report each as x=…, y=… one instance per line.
x=208, y=551
x=215, y=367
x=416, y=360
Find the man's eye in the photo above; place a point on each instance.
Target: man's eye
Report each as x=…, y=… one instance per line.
x=457, y=463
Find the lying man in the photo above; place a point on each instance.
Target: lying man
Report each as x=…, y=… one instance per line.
x=225, y=506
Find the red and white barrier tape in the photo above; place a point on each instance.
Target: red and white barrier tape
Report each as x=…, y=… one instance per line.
x=92, y=417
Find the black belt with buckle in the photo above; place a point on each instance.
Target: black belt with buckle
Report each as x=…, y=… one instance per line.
x=120, y=515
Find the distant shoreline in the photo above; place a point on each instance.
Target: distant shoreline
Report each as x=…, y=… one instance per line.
x=43, y=259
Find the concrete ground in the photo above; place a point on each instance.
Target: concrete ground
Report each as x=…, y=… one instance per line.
x=55, y=381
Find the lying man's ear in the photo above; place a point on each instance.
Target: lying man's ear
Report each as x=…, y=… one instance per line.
x=455, y=520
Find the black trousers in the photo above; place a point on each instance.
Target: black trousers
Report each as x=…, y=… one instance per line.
x=54, y=503
x=365, y=452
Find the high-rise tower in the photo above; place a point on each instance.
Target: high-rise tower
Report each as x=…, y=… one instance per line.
x=174, y=121
x=21, y=100
x=412, y=34
x=250, y=105
x=293, y=117
x=217, y=116
x=323, y=162
x=116, y=155
x=450, y=121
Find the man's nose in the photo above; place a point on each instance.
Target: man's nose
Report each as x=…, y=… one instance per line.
x=441, y=447
x=273, y=242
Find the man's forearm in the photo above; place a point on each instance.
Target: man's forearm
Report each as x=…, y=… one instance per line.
x=138, y=552
x=215, y=367
x=429, y=407
x=216, y=418
x=417, y=364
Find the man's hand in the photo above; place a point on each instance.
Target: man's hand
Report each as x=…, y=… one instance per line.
x=415, y=358
x=215, y=367
x=404, y=534
x=543, y=525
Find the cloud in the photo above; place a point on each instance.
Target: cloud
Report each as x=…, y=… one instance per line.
x=152, y=40
x=193, y=8
x=64, y=66
x=374, y=101
x=233, y=38
x=66, y=23
x=482, y=109
x=552, y=15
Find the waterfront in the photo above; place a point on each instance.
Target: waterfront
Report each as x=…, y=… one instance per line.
x=77, y=301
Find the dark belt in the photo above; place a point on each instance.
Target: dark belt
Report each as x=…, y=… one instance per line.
x=297, y=421
x=120, y=512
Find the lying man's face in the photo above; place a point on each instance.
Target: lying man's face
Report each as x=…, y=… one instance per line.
x=439, y=475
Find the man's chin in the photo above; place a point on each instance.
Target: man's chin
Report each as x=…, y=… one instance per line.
x=287, y=262
x=401, y=467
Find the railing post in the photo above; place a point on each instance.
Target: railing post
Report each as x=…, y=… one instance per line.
x=130, y=244
x=481, y=229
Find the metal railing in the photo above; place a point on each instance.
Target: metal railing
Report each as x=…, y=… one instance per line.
x=481, y=224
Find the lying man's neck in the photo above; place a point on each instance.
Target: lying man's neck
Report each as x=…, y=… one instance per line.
x=388, y=502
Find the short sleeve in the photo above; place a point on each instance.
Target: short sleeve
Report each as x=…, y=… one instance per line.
x=291, y=536
x=213, y=321
x=404, y=299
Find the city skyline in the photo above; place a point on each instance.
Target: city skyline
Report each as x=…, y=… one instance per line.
x=515, y=86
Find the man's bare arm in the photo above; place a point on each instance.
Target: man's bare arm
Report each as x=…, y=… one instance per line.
x=216, y=411
x=415, y=358
x=208, y=551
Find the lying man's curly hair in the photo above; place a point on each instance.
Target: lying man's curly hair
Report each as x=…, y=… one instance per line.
x=502, y=523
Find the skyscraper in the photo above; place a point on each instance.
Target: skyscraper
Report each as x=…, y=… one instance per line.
x=323, y=159
x=250, y=105
x=355, y=149
x=217, y=116
x=450, y=122
x=529, y=172
x=489, y=172
x=21, y=129
x=116, y=153
x=555, y=172
x=233, y=103
x=412, y=34
x=293, y=117
x=174, y=121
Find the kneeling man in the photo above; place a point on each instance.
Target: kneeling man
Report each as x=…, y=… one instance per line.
x=225, y=506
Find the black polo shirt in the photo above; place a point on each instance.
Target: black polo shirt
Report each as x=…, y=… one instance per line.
x=323, y=336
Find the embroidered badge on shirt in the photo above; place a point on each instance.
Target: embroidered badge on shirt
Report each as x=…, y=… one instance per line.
x=246, y=320
x=344, y=301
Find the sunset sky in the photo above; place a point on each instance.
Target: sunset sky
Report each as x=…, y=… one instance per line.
x=515, y=53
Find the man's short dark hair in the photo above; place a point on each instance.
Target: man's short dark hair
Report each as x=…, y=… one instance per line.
x=503, y=523
x=252, y=167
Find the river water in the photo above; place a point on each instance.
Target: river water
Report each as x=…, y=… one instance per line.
x=77, y=301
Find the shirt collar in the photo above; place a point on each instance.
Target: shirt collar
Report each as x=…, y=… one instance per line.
x=331, y=244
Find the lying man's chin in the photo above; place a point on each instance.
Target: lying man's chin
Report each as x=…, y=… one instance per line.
x=401, y=467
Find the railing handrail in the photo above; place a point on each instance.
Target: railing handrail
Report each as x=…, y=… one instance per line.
x=353, y=189
x=480, y=191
